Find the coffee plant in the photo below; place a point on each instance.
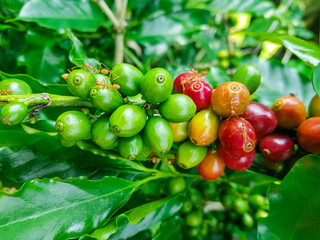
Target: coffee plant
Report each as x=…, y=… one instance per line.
x=190, y=119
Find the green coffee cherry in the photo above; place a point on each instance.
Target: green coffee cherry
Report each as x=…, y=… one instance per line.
x=130, y=147
x=177, y=108
x=158, y=135
x=102, y=134
x=190, y=155
x=128, y=77
x=102, y=78
x=153, y=189
x=176, y=185
x=209, y=189
x=105, y=98
x=256, y=200
x=186, y=206
x=80, y=83
x=66, y=143
x=195, y=196
x=261, y=214
x=240, y=205
x=194, y=218
x=247, y=220
x=14, y=87
x=156, y=85
x=13, y=113
x=249, y=75
x=73, y=126
x=144, y=155
x=128, y=120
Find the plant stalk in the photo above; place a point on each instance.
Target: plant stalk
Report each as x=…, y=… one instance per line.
x=51, y=100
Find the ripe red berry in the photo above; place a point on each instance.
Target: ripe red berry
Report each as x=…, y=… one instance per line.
x=212, y=166
x=276, y=147
x=200, y=92
x=236, y=163
x=308, y=134
x=261, y=118
x=237, y=136
x=181, y=79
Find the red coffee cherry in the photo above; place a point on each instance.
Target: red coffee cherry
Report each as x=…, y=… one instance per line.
x=236, y=163
x=289, y=111
x=308, y=134
x=212, y=166
x=237, y=136
x=277, y=147
x=200, y=92
x=261, y=118
x=230, y=99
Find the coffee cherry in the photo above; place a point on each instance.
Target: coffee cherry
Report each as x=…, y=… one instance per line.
x=156, y=85
x=308, y=134
x=102, y=134
x=130, y=147
x=261, y=118
x=314, y=107
x=236, y=163
x=212, y=166
x=194, y=218
x=240, y=205
x=261, y=214
x=73, y=126
x=182, y=79
x=203, y=128
x=176, y=185
x=200, y=92
x=186, y=206
x=66, y=143
x=80, y=82
x=14, y=86
x=177, y=108
x=237, y=136
x=158, y=135
x=105, y=98
x=128, y=77
x=249, y=75
x=190, y=155
x=145, y=154
x=247, y=220
x=195, y=196
x=289, y=111
x=128, y=120
x=276, y=167
x=230, y=99
x=13, y=113
x=277, y=147
x=256, y=200
x=180, y=131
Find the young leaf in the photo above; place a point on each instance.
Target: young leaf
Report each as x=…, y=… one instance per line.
x=77, y=205
x=77, y=54
x=316, y=79
x=138, y=219
x=294, y=204
x=36, y=86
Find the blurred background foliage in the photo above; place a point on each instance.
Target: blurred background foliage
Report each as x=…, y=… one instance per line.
x=217, y=36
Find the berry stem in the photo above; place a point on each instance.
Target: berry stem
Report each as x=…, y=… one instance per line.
x=51, y=100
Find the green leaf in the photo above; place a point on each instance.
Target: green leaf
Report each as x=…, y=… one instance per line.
x=308, y=52
x=77, y=54
x=138, y=219
x=316, y=79
x=216, y=76
x=42, y=59
x=78, y=206
x=294, y=204
x=251, y=179
x=278, y=80
x=255, y=7
x=80, y=15
x=170, y=229
x=38, y=87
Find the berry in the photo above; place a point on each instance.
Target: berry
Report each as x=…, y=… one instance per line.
x=181, y=79
x=200, y=92
x=177, y=108
x=230, y=99
x=105, y=98
x=277, y=147
x=80, y=82
x=73, y=126
x=261, y=118
x=176, y=185
x=130, y=147
x=13, y=113
x=289, y=111
x=212, y=166
x=237, y=136
x=249, y=75
x=180, y=131
x=190, y=155
x=314, y=106
x=14, y=87
x=308, y=134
